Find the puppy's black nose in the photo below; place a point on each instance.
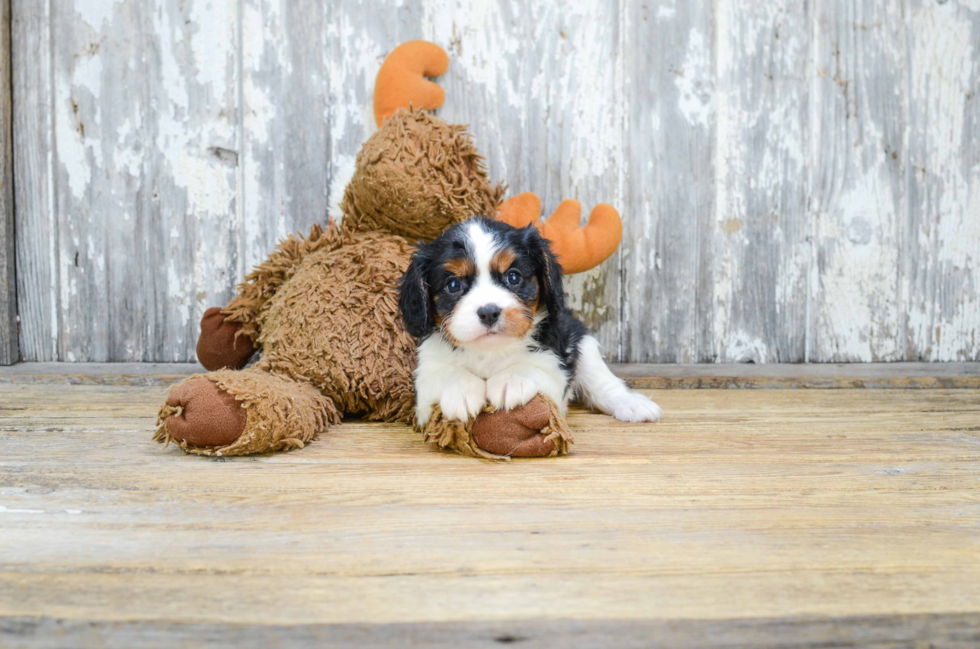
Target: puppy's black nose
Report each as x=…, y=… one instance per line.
x=489, y=314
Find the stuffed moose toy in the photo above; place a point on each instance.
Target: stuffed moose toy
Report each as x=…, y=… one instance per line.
x=324, y=310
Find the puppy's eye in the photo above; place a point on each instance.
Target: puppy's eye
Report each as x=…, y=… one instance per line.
x=514, y=277
x=454, y=285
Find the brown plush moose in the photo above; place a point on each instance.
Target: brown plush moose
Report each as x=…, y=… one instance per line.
x=324, y=309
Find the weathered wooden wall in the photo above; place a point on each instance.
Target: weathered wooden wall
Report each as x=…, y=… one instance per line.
x=799, y=181
x=9, y=337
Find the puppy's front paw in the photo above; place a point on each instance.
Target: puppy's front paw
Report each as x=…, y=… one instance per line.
x=464, y=399
x=509, y=390
x=635, y=408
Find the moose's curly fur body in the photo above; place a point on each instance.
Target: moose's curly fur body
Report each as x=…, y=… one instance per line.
x=323, y=309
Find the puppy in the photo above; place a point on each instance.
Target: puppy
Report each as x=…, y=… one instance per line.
x=486, y=301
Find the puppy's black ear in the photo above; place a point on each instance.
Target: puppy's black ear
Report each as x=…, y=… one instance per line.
x=549, y=271
x=413, y=295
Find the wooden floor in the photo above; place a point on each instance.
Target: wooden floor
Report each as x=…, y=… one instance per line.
x=746, y=518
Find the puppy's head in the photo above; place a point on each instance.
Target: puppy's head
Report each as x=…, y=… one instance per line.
x=483, y=283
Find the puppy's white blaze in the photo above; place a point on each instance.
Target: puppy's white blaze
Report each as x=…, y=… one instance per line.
x=465, y=325
x=604, y=391
x=483, y=247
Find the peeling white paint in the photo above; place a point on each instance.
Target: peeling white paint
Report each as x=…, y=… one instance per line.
x=172, y=77
x=71, y=145
x=485, y=41
x=860, y=282
x=96, y=13
x=694, y=81
x=212, y=28
x=343, y=168
x=758, y=172
x=128, y=154
x=944, y=73
x=743, y=347
x=76, y=151
x=944, y=309
x=88, y=73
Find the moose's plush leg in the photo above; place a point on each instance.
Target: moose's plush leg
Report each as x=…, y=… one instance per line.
x=222, y=343
x=268, y=412
x=537, y=429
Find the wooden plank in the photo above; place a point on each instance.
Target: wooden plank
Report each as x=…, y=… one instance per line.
x=96, y=106
x=638, y=375
x=308, y=79
x=9, y=334
x=357, y=43
x=802, y=376
x=191, y=233
x=758, y=243
x=670, y=180
x=537, y=82
x=144, y=199
x=285, y=130
x=859, y=104
x=952, y=631
x=159, y=374
x=33, y=141
x=488, y=82
x=94, y=278
x=941, y=264
x=825, y=512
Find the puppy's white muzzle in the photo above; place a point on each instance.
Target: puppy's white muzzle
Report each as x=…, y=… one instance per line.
x=480, y=313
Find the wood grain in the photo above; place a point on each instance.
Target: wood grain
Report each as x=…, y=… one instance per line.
x=941, y=265
x=190, y=190
x=798, y=182
x=800, y=376
x=285, y=127
x=638, y=375
x=308, y=76
x=38, y=283
x=785, y=514
x=127, y=194
x=670, y=179
x=757, y=244
x=9, y=334
x=952, y=631
x=860, y=111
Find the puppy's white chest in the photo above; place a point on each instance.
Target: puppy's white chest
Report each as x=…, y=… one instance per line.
x=486, y=364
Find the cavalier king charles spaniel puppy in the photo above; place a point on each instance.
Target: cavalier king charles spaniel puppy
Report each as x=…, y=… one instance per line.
x=486, y=301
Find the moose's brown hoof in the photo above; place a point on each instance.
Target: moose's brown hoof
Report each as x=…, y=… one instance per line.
x=206, y=416
x=219, y=347
x=515, y=433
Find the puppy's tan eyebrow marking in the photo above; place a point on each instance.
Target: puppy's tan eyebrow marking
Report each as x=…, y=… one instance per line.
x=502, y=260
x=460, y=267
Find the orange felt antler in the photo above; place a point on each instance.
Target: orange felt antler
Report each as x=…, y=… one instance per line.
x=523, y=209
x=401, y=80
x=578, y=248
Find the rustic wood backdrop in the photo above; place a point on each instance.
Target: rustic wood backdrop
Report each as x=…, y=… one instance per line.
x=798, y=180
